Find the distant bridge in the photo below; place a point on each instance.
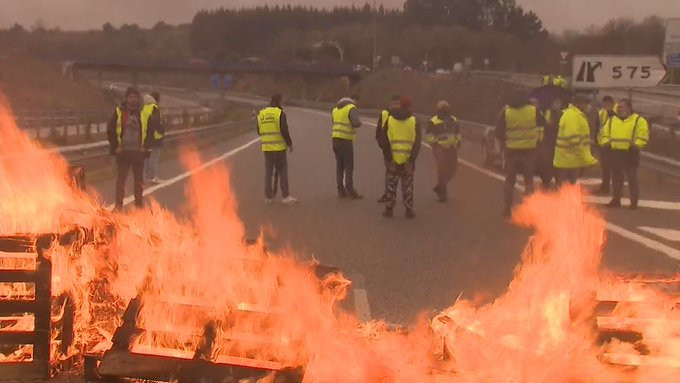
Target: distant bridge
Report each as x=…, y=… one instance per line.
x=200, y=66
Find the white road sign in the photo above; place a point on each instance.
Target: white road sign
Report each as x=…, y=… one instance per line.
x=672, y=43
x=617, y=71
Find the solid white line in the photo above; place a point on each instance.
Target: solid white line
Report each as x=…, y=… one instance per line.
x=363, y=310
x=129, y=199
x=665, y=233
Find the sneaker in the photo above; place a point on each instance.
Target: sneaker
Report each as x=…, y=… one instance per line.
x=388, y=213
x=289, y=200
x=633, y=206
x=410, y=214
x=268, y=201
x=614, y=204
x=383, y=199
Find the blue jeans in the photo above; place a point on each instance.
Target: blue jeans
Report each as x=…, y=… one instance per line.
x=151, y=165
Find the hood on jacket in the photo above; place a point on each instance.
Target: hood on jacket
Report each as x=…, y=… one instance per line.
x=148, y=99
x=401, y=114
x=343, y=102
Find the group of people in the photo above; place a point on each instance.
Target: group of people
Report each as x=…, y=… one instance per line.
x=399, y=137
x=556, y=144
x=135, y=133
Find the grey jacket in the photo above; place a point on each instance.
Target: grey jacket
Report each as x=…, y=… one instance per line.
x=353, y=114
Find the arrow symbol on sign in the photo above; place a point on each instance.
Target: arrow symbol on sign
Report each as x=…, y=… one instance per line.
x=667, y=234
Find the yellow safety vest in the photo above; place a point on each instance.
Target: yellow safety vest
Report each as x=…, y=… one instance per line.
x=622, y=134
x=521, y=132
x=145, y=115
x=151, y=107
x=401, y=135
x=572, y=149
x=445, y=139
x=342, y=126
x=547, y=80
x=269, y=127
x=383, y=117
x=560, y=81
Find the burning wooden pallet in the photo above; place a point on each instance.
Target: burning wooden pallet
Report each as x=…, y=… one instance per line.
x=201, y=364
x=613, y=320
x=26, y=306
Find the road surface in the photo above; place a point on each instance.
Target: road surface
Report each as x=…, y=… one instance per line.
x=406, y=267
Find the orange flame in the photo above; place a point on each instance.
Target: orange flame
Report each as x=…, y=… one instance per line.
x=196, y=275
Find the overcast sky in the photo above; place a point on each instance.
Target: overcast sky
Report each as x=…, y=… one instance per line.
x=557, y=15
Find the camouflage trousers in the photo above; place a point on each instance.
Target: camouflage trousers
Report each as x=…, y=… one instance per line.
x=403, y=173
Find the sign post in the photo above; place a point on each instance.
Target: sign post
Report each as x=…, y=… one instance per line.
x=671, y=46
x=608, y=71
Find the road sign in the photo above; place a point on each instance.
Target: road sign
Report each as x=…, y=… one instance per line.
x=617, y=71
x=672, y=43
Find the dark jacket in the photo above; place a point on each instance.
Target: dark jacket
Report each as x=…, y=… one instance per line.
x=401, y=115
x=450, y=126
x=379, y=127
x=153, y=126
x=285, y=132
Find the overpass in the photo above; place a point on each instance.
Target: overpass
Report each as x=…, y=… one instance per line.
x=135, y=67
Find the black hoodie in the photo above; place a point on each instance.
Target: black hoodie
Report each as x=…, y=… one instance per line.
x=401, y=115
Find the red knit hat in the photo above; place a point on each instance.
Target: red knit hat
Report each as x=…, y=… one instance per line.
x=405, y=102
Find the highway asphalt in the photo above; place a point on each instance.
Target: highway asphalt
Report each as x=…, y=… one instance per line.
x=462, y=247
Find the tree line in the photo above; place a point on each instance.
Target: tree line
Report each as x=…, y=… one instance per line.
x=441, y=32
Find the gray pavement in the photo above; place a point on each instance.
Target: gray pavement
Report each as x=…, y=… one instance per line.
x=462, y=247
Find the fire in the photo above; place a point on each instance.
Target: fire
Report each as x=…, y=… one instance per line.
x=197, y=289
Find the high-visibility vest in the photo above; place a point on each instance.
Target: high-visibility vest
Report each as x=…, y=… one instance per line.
x=149, y=108
x=547, y=80
x=402, y=135
x=560, y=81
x=342, y=125
x=623, y=134
x=383, y=117
x=442, y=137
x=145, y=115
x=572, y=149
x=269, y=127
x=521, y=131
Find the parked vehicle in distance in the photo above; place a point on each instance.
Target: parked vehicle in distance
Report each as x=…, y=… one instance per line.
x=361, y=68
x=442, y=71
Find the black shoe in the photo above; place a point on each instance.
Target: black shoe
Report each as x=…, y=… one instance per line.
x=410, y=214
x=354, y=195
x=342, y=194
x=633, y=206
x=383, y=199
x=388, y=213
x=614, y=203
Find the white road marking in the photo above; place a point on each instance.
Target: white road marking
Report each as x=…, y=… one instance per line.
x=129, y=199
x=667, y=234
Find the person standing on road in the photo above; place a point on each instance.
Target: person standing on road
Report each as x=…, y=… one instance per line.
x=444, y=135
x=402, y=134
x=625, y=134
x=546, y=150
x=129, y=133
x=272, y=126
x=151, y=166
x=382, y=119
x=572, y=148
x=603, y=115
x=345, y=122
x=518, y=131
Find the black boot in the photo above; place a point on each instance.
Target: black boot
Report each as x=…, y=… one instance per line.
x=354, y=195
x=410, y=214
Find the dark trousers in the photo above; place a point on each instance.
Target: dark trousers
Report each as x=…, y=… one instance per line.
x=124, y=162
x=518, y=160
x=403, y=173
x=447, y=165
x=545, y=167
x=605, y=166
x=625, y=162
x=275, y=163
x=567, y=175
x=344, y=164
